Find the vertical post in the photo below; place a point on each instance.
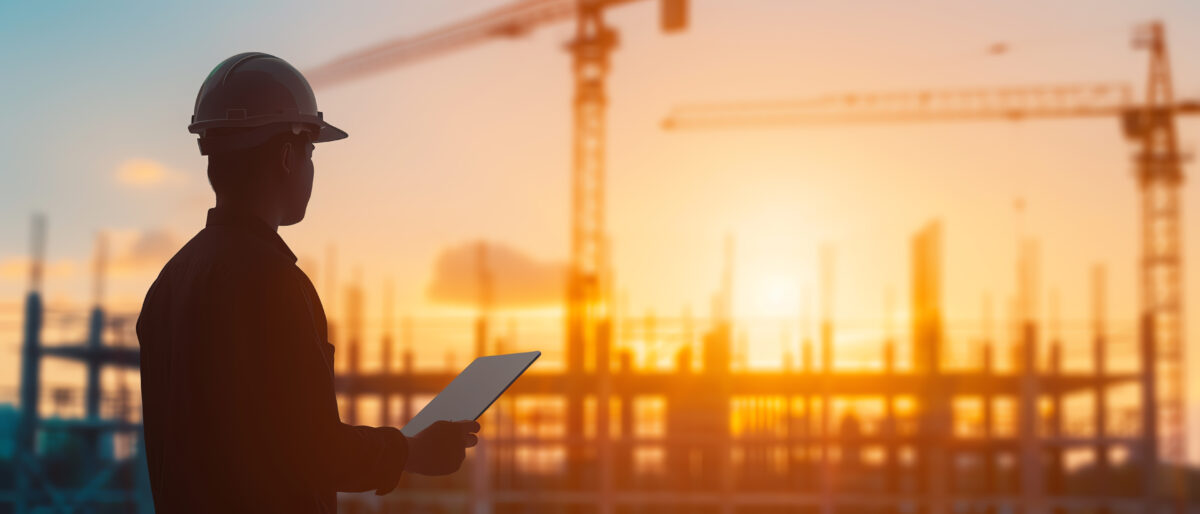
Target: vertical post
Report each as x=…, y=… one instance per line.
x=890, y=430
x=989, y=426
x=1056, y=484
x=828, y=470
x=1099, y=394
x=385, y=357
x=96, y=329
x=1053, y=452
x=806, y=434
x=30, y=367
x=987, y=367
x=603, y=403
x=933, y=406
x=354, y=332
x=1150, y=429
x=406, y=368
x=891, y=468
x=1030, y=449
x=484, y=276
x=623, y=459
x=95, y=340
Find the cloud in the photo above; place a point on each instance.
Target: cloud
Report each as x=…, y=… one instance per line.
x=139, y=251
x=143, y=173
x=130, y=252
x=517, y=279
x=17, y=268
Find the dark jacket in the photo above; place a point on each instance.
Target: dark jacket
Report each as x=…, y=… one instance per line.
x=237, y=384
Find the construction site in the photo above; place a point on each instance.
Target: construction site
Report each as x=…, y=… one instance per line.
x=1035, y=419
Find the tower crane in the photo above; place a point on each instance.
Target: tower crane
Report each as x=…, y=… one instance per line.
x=1150, y=125
x=589, y=276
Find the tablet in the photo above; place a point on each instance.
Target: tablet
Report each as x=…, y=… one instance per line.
x=472, y=391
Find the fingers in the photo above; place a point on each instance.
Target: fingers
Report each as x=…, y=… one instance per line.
x=469, y=428
x=468, y=425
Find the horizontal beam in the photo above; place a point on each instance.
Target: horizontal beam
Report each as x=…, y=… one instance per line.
x=726, y=440
x=747, y=498
x=760, y=383
x=509, y=21
x=120, y=356
x=983, y=104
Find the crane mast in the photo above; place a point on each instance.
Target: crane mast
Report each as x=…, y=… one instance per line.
x=1159, y=176
x=587, y=322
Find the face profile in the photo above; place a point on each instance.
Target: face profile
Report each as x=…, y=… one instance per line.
x=297, y=181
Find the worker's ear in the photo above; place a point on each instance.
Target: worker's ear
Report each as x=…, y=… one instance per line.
x=287, y=157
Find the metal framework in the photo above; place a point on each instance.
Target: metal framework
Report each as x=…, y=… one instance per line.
x=102, y=481
x=796, y=450
x=1150, y=125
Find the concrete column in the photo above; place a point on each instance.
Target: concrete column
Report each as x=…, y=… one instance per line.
x=828, y=469
x=1149, y=435
x=94, y=365
x=1103, y=466
x=1056, y=485
x=989, y=427
x=891, y=433
x=1030, y=450
x=31, y=365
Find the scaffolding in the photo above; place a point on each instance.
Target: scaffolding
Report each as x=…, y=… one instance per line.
x=710, y=436
x=89, y=463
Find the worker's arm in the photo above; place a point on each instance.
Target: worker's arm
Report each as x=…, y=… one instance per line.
x=289, y=401
x=367, y=458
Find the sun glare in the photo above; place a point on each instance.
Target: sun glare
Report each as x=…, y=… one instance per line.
x=774, y=294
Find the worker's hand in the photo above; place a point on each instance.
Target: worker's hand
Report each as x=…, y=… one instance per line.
x=441, y=447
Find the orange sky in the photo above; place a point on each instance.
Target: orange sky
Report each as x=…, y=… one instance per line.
x=476, y=145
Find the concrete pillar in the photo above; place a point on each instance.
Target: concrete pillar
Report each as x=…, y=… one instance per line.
x=891, y=433
x=1149, y=435
x=828, y=469
x=385, y=371
x=1056, y=485
x=989, y=426
x=95, y=342
x=31, y=365
x=1029, y=447
x=602, y=420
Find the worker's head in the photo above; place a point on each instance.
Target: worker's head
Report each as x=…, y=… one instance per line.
x=277, y=173
x=257, y=119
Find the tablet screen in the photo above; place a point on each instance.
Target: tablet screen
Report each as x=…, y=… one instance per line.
x=472, y=391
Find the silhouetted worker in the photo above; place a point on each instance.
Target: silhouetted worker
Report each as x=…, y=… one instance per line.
x=237, y=373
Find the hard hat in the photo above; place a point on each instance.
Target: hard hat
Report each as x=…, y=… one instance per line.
x=261, y=93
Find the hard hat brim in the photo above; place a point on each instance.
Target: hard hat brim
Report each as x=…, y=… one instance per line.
x=328, y=133
x=249, y=137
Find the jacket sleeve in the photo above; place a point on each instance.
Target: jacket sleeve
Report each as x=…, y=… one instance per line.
x=288, y=392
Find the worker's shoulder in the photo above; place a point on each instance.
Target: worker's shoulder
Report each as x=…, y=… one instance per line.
x=230, y=252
